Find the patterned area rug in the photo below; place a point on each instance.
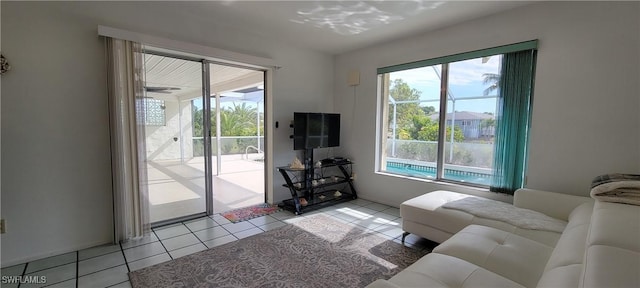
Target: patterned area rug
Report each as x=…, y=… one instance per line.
x=251, y=212
x=315, y=252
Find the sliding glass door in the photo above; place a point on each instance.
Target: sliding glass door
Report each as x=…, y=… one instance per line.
x=204, y=126
x=237, y=109
x=174, y=137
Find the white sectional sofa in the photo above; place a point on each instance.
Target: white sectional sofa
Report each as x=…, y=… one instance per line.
x=598, y=247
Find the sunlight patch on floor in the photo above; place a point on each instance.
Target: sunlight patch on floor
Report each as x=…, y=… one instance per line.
x=171, y=192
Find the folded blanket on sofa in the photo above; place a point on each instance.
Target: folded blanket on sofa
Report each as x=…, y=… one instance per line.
x=500, y=211
x=618, y=188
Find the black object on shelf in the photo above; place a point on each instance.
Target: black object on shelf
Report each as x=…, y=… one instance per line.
x=311, y=183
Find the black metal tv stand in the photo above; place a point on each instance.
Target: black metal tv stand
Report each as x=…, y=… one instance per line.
x=321, y=185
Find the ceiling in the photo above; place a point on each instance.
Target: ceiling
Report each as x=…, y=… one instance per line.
x=173, y=79
x=340, y=26
x=328, y=26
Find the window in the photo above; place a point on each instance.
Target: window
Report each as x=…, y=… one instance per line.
x=468, y=142
x=154, y=112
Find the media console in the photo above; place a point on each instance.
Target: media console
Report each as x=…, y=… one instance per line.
x=317, y=184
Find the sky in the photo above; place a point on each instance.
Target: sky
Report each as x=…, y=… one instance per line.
x=465, y=80
x=229, y=104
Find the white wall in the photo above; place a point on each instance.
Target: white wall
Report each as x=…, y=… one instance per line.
x=160, y=142
x=637, y=80
x=56, y=188
x=586, y=102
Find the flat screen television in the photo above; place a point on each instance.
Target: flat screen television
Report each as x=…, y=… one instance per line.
x=315, y=130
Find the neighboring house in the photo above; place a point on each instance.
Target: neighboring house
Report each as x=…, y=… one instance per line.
x=474, y=125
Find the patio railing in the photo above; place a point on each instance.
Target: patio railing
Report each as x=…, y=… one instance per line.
x=229, y=144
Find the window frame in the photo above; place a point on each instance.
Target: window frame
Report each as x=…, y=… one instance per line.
x=383, y=84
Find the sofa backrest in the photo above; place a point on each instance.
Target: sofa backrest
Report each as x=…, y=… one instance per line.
x=552, y=204
x=612, y=256
x=565, y=264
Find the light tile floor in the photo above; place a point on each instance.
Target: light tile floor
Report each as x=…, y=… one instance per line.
x=108, y=266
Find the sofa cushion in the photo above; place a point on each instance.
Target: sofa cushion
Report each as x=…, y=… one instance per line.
x=612, y=256
x=565, y=264
x=511, y=256
x=439, y=270
x=538, y=200
x=425, y=216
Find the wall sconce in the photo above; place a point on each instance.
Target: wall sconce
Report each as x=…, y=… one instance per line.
x=4, y=65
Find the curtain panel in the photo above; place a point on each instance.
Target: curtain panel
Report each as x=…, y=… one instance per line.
x=125, y=82
x=513, y=115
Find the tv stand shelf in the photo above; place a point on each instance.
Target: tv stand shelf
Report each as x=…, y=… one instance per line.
x=317, y=185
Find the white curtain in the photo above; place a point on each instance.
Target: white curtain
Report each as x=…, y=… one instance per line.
x=125, y=76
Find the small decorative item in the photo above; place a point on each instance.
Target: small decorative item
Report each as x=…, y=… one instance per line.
x=337, y=194
x=318, y=164
x=303, y=202
x=314, y=182
x=321, y=197
x=334, y=178
x=297, y=185
x=322, y=180
x=296, y=164
x=4, y=65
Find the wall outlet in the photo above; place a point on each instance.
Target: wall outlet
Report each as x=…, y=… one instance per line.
x=2, y=226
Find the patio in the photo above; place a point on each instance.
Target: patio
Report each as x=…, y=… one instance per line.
x=177, y=188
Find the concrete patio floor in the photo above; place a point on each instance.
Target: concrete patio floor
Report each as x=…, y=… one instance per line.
x=177, y=188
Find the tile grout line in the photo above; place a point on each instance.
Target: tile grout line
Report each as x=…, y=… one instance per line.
x=170, y=237
x=146, y=257
x=55, y=266
x=194, y=235
x=165, y=248
x=124, y=256
x=221, y=226
x=107, y=253
x=77, y=268
x=24, y=270
x=111, y=267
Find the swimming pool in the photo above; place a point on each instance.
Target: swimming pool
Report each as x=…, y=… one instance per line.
x=430, y=173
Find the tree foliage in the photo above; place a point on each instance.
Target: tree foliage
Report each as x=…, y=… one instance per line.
x=412, y=120
x=486, y=125
x=238, y=120
x=401, y=91
x=425, y=129
x=491, y=79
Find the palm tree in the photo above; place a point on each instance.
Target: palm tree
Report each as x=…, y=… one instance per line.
x=493, y=80
x=486, y=125
x=244, y=112
x=239, y=120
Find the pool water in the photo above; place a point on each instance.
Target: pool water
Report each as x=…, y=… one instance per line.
x=431, y=174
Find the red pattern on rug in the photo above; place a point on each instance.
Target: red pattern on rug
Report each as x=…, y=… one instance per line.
x=251, y=212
